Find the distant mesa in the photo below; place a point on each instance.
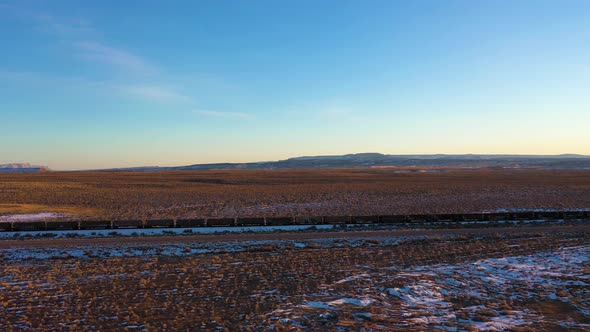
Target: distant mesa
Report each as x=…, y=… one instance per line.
x=467, y=161
x=555, y=162
x=22, y=168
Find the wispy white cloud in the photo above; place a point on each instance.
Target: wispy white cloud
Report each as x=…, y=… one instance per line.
x=54, y=81
x=156, y=93
x=146, y=93
x=69, y=27
x=116, y=57
x=84, y=37
x=142, y=79
x=222, y=115
x=49, y=23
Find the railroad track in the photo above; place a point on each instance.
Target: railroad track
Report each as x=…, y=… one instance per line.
x=52, y=225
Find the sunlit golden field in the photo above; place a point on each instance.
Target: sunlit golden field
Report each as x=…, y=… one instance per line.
x=123, y=195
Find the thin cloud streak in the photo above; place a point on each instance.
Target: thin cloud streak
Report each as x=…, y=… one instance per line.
x=156, y=93
x=71, y=28
x=147, y=93
x=49, y=23
x=86, y=41
x=57, y=82
x=118, y=58
x=222, y=115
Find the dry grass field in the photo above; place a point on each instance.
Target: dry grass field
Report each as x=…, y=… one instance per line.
x=99, y=195
x=514, y=279
x=526, y=277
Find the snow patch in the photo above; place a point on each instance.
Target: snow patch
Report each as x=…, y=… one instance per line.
x=30, y=217
x=356, y=302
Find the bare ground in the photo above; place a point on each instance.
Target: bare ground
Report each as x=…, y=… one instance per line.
x=516, y=279
x=128, y=195
x=279, y=236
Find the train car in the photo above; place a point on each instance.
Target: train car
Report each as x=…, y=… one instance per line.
x=460, y=217
x=309, y=220
x=159, y=223
x=394, y=219
x=498, y=216
x=573, y=214
x=420, y=218
x=365, y=219
x=337, y=220
x=548, y=215
x=473, y=217
x=446, y=217
x=217, y=222
x=520, y=215
x=432, y=217
x=250, y=222
x=127, y=223
x=20, y=226
x=485, y=216
x=95, y=224
x=186, y=223
x=5, y=226
x=61, y=225
x=279, y=221
x=512, y=216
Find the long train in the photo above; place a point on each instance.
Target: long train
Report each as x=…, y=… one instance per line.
x=17, y=226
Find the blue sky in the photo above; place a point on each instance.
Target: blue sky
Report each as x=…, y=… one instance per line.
x=127, y=83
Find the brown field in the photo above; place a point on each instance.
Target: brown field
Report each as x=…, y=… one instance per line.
x=38, y=208
x=440, y=280
x=290, y=192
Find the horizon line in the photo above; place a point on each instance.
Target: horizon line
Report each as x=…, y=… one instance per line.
x=302, y=156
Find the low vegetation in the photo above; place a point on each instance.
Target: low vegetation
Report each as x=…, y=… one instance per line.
x=368, y=191
x=436, y=282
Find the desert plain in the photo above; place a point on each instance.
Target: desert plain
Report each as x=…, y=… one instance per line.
x=511, y=276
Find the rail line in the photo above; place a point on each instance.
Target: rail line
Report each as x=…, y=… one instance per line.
x=17, y=226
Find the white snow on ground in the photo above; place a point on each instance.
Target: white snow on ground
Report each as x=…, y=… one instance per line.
x=339, y=302
x=355, y=302
x=316, y=305
x=487, y=294
x=30, y=217
x=360, y=276
x=238, y=229
x=18, y=254
x=161, y=231
x=423, y=293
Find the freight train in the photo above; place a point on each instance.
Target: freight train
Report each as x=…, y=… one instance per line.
x=18, y=226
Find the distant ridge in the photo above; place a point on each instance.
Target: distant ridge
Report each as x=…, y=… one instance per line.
x=563, y=161
x=22, y=168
